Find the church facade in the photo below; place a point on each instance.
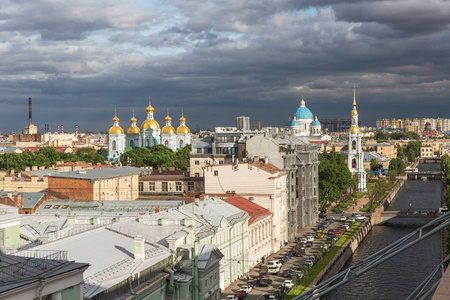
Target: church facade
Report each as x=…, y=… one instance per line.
x=304, y=124
x=147, y=135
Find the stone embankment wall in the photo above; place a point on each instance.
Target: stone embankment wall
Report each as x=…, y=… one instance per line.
x=347, y=250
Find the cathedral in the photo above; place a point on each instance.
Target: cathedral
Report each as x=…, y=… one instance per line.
x=148, y=135
x=355, y=153
x=304, y=124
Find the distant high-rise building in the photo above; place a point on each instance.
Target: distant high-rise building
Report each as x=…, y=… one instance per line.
x=243, y=123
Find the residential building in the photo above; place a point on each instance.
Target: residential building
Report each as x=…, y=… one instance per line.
x=427, y=151
x=263, y=183
x=259, y=228
x=117, y=183
x=162, y=182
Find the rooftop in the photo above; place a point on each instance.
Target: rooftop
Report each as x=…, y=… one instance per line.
x=98, y=173
x=254, y=210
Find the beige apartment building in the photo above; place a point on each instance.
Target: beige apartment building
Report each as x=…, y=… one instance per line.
x=263, y=184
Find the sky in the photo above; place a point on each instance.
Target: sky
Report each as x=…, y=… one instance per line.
x=80, y=60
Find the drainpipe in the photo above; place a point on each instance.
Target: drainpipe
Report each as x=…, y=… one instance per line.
x=195, y=270
x=131, y=288
x=41, y=288
x=171, y=280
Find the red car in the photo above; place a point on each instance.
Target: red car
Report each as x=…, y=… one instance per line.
x=241, y=294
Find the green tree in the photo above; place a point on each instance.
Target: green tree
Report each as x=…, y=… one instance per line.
x=397, y=165
x=400, y=153
x=415, y=147
x=411, y=156
x=334, y=177
x=374, y=165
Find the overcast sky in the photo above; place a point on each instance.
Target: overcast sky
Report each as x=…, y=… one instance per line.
x=220, y=59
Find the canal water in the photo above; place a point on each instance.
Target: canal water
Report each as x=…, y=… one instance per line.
x=399, y=276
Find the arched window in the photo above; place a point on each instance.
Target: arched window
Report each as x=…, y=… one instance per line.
x=147, y=143
x=113, y=145
x=154, y=142
x=166, y=143
x=354, y=163
x=131, y=143
x=181, y=144
x=354, y=145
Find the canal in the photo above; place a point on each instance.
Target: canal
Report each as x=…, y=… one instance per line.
x=399, y=276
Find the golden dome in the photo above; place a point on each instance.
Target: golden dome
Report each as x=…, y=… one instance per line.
x=115, y=130
x=133, y=129
x=149, y=124
x=354, y=111
x=183, y=129
x=354, y=130
x=168, y=129
x=133, y=120
x=182, y=119
x=168, y=118
x=149, y=108
x=115, y=119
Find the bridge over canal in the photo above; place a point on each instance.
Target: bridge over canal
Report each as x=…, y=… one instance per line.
x=424, y=174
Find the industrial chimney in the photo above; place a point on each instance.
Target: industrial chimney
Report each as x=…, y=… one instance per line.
x=29, y=112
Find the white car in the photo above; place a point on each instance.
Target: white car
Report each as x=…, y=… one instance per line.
x=246, y=288
x=346, y=226
x=303, y=240
x=343, y=218
x=273, y=270
x=231, y=297
x=360, y=218
x=288, y=284
x=310, y=238
x=271, y=297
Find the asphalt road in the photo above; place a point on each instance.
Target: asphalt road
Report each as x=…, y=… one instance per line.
x=293, y=264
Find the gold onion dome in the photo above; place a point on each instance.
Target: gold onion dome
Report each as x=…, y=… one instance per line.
x=149, y=108
x=168, y=129
x=116, y=129
x=354, y=130
x=183, y=129
x=133, y=129
x=149, y=124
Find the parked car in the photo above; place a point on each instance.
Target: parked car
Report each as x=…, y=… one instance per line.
x=288, y=255
x=331, y=231
x=319, y=234
x=302, y=245
x=330, y=219
x=287, y=273
x=325, y=224
x=265, y=282
x=309, y=262
x=310, y=238
x=300, y=253
x=252, y=283
x=342, y=231
x=309, y=244
x=246, y=288
x=274, y=263
x=241, y=294
x=343, y=218
x=270, y=297
x=288, y=283
x=298, y=273
x=232, y=297
x=262, y=275
x=338, y=211
x=303, y=240
x=360, y=218
x=273, y=270
x=321, y=228
x=322, y=215
x=346, y=226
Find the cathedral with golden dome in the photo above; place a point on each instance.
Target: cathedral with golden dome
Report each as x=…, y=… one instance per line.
x=148, y=135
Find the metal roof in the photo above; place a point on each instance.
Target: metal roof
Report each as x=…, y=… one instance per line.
x=98, y=173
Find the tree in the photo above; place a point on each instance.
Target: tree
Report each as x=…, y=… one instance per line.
x=400, y=153
x=415, y=147
x=397, y=165
x=374, y=165
x=392, y=175
x=334, y=177
x=411, y=156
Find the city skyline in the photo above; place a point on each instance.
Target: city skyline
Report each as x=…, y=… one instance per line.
x=219, y=60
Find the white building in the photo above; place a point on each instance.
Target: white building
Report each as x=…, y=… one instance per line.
x=355, y=154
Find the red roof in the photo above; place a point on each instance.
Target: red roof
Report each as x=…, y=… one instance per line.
x=253, y=209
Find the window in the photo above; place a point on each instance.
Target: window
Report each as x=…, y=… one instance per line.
x=141, y=186
x=151, y=186
x=197, y=174
x=131, y=143
x=166, y=143
x=47, y=206
x=197, y=162
x=199, y=150
x=165, y=187
x=181, y=144
x=220, y=162
x=147, y=143
x=56, y=206
x=178, y=186
x=65, y=206
x=216, y=173
x=113, y=145
x=190, y=186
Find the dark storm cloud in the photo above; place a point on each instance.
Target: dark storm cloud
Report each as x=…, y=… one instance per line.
x=221, y=59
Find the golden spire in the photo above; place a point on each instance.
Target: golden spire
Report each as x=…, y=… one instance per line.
x=182, y=119
x=289, y=118
x=303, y=101
x=354, y=95
x=149, y=108
x=168, y=118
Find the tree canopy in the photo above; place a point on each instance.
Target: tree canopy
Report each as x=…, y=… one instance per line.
x=397, y=165
x=157, y=156
x=47, y=156
x=334, y=177
x=384, y=136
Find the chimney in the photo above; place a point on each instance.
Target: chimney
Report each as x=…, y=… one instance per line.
x=29, y=112
x=62, y=128
x=27, y=169
x=266, y=160
x=19, y=200
x=10, y=195
x=58, y=128
x=255, y=159
x=11, y=172
x=139, y=248
x=171, y=168
x=34, y=168
x=42, y=168
x=76, y=129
